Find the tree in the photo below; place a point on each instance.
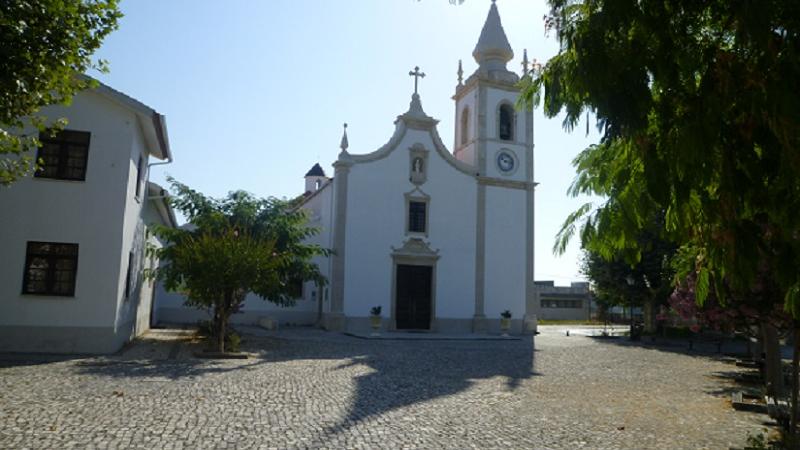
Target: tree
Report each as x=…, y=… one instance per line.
x=618, y=280
x=699, y=117
x=47, y=44
x=646, y=283
x=235, y=245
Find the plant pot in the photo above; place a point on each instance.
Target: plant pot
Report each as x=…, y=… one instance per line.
x=505, y=325
x=375, y=323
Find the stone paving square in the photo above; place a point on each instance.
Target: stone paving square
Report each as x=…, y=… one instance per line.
x=312, y=389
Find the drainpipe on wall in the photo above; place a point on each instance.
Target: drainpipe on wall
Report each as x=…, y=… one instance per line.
x=158, y=122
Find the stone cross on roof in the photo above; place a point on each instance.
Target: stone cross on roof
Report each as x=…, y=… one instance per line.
x=417, y=75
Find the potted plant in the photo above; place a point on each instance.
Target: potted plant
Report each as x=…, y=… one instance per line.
x=375, y=319
x=505, y=322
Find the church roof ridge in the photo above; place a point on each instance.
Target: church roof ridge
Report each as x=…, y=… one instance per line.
x=493, y=44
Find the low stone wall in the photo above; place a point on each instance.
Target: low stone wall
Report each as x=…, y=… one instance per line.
x=77, y=340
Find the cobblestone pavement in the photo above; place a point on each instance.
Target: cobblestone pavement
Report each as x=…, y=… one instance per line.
x=311, y=389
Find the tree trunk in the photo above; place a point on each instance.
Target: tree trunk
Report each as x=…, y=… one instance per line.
x=224, y=310
x=649, y=315
x=772, y=360
x=221, y=332
x=795, y=381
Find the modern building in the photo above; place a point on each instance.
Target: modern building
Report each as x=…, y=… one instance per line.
x=573, y=302
x=73, y=236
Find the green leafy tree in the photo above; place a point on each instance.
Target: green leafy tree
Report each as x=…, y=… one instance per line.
x=615, y=282
x=646, y=282
x=699, y=115
x=698, y=112
x=233, y=246
x=46, y=46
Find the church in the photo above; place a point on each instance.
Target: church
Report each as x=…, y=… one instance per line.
x=440, y=240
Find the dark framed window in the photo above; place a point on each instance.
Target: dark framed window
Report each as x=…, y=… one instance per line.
x=553, y=303
x=465, y=125
x=128, y=276
x=64, y=155
x=505, y=129
x=141, y=171
x=417, y=217
x=50, y=269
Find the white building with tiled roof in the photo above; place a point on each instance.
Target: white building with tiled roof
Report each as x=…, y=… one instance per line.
x=72, y=237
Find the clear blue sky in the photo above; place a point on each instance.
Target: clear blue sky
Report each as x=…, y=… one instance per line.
x=255, y=92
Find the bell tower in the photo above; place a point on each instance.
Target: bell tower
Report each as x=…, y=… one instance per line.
x=490, y=132
x=496, y=138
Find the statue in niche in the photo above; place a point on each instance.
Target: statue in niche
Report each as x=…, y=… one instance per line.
x=417, y=166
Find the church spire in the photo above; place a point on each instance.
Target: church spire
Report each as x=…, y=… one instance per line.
x=493, y=51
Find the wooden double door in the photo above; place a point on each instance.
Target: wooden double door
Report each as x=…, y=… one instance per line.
x=413, y=297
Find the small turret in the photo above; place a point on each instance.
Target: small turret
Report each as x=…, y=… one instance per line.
x=315, y=179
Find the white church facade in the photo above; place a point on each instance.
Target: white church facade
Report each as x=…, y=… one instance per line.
x=440, y=240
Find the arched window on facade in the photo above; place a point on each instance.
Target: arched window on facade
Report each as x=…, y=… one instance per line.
x=505, y=124
x=465, y=125
x=318, y=185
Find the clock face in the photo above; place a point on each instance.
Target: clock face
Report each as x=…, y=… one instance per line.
x=505, y=162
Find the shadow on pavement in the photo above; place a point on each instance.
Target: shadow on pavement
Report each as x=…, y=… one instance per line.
x=8, y=360
x=401, y=373
x=699, y=348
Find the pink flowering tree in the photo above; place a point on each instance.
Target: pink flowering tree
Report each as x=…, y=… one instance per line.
x=749, y=313
x=711, y=315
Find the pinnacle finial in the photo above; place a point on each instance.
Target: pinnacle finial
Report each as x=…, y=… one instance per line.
x=460, y=74
x=344, y=144
x=524, y=62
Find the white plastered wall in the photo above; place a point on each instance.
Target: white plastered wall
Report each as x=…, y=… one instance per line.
x=505, y=256
x=466, y=153
x=376, y=222
x=89, y=213
x=133, y=230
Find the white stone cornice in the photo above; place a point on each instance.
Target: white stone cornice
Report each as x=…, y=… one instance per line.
x=415, y=248
x=511, y=184
x=509, y=85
